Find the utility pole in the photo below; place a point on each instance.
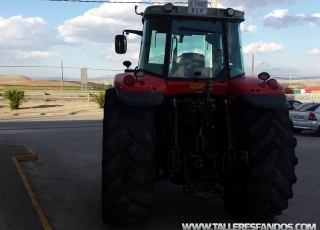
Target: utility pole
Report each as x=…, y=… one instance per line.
x=62, y=76
x=214, y=3
x=252, y=72
x=290, y=79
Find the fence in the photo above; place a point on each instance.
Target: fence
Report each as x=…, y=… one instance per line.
x=306, y=97
x=57, y=95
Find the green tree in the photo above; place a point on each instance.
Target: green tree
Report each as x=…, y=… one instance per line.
x=99, y=99
x=16, y=97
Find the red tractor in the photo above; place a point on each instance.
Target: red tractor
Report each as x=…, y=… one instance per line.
x=189, y=114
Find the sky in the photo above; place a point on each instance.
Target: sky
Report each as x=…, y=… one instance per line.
x=284, y=37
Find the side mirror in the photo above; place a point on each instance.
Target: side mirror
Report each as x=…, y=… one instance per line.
x=120, y=44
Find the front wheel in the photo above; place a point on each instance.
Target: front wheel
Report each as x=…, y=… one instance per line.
x=127, y=162
x=262, y=187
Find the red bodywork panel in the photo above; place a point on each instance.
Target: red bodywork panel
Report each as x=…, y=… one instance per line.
x=145, y=84
x=251, y=85
x=230, y=89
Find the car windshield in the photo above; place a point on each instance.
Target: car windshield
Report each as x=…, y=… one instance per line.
x=293, y=104
x=308, y=106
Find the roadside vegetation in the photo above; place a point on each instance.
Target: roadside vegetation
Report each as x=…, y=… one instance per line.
x=287, y=90
x=99, y=98
x=16, y=97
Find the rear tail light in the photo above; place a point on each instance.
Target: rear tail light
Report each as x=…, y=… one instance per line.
x=312, y=117
x=273, y=84
x=129, y=80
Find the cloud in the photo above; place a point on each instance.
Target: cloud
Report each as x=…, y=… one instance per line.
x=260, y=47
x=259, y=66
x=277, y=13
x=314, y=19
x=26, y=33
x=131, y=55
x=100, y=25
x=280, y=19
x=282, y=71
x=25, y=38
x=259, y=63
x=255, y=14
x=249, y=28
x=251, y=5
x=314, y=51
x=35, y=54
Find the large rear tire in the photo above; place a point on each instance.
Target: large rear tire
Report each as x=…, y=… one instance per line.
x=297, y=131
x=262, y=188
x=318, y=132
x=127, y=162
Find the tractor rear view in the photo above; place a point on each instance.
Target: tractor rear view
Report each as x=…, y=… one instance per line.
x=188, y=114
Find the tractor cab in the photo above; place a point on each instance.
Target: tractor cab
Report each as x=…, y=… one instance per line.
x=177, y=44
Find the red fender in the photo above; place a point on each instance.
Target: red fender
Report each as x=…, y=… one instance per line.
x=151, y=90
x=256, y=92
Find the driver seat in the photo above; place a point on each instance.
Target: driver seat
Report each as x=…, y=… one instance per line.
x=191, y=65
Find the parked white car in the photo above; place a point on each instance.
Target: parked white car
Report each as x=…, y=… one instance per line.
x=306, y=117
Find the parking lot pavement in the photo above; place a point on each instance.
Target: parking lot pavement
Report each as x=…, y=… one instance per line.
x=16, y=209
x=66, y=182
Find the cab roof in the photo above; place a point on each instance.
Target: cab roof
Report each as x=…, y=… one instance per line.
x=184, y=11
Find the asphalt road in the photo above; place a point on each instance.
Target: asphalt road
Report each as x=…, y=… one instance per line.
x=66, y=181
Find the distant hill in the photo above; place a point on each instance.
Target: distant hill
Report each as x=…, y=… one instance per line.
x=99, y=80
x=300, y=82
x=102, y=80
x=54, y=79
x=13, y=78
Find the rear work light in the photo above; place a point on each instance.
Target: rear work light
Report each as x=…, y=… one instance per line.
x=129, y=80
x=264, y=76
x=168, y=7
x=230, y=12
x=312, y=117
x=273, y=84
x=139, y=73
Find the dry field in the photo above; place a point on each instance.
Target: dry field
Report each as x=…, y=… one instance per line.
x=38, y=83
x=17, y=80
x=305, y=82
x=40, y=107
